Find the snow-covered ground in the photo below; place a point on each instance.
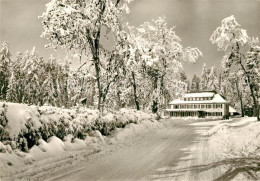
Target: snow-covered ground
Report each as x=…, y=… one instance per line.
x=55, y=154
x=226, y=150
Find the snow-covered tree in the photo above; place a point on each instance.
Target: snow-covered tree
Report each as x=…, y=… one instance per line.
x=236, y=90
x=235, y=42
x=204, y=78
x=50, y=96
x=160, y=53
x=209, y=79
x=195, y=84
x=213, y=83
x=5, y=64
x=184, y=78
x=77, y=25
x=80, y=85
x=253, y=65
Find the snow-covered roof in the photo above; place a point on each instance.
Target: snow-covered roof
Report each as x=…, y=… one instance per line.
x=199, y=94
x=216, y=99
x=193, y=110
x=231, y=109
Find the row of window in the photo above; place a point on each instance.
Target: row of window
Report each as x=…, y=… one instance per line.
x=183, y=114
x=213, y=114
x=198, y=106
x=197, y=98
x=191, y=114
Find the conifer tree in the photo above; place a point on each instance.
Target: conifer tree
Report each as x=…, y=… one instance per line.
x=5, y=63
x=195, y=84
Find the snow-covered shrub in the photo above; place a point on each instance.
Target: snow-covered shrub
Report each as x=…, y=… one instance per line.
x=24, y=126
x=2, y=147
x=3, y=122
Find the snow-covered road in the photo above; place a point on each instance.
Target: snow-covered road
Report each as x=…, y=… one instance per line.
x=142, y=161
x=174, y=149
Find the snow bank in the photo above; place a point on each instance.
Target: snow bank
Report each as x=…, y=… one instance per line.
x=235, y=145
x=133, y=130
x=224, y=150
x=236, y=139
x=54, y=153
x=229, y=124
x=24, y=126
x=18, y=115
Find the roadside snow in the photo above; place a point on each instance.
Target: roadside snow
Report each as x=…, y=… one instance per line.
x=239, y=139
x=55, y=155
x=226, y=150
x=18, y=115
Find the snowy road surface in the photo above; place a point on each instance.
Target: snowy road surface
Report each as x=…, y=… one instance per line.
x=142, y=161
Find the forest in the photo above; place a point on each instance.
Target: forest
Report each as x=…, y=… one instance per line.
x=104, y=118
x=142, y=69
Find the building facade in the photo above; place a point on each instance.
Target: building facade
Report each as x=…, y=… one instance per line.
x=202, y=104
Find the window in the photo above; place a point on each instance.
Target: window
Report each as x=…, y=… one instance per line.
x=209, y=106
x=219, y=106
x=219, y=114
x=188, y=106
x=202, y=106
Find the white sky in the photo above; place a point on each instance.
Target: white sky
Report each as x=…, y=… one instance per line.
x=195, y=21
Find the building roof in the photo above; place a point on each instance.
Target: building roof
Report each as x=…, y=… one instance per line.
x=199, y=94
x=231, y=109
x=216, y=99
x=190, y=110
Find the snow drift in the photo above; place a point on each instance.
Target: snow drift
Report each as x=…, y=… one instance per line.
x=23, y=126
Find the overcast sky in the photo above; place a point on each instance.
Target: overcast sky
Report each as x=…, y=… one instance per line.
x=195, y=21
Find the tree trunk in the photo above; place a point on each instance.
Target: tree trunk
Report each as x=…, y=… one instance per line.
x=251, y=86
x=100, y=92
x=240, y=98
x=135, y=93
x=162, y=93
x=256, y=107
x=155, y=101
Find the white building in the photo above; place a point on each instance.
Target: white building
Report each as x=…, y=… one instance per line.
x=202, y=104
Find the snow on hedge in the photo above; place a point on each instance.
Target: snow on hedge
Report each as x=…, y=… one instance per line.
x=56, y=136
x=24, y=126
x=17, y=116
